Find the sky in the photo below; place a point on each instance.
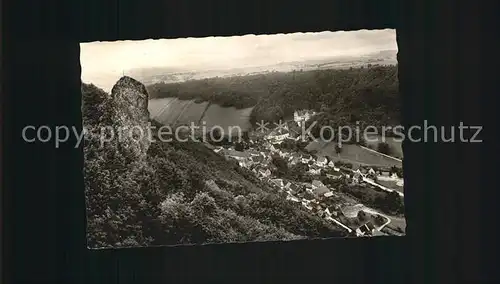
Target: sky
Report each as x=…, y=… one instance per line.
x=103, y=63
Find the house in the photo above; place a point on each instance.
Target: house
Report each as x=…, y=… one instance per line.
x=292, y=198
x=334, y=175
x=331, y=211
x=363, y=171
x=257, y=159
x=278, y=182
x=371, y=171
x=287, y=185
x=394, y=176
x=294, y=187
x=218, y=149
x=328, y=194
x=319, y=189
x=384, y=173
x=314, y=171
x=266, y=173
x=321, y=161
x=331, y=164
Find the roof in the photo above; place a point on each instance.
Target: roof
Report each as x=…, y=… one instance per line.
x=378, y=233
x=257, y=158
x=352, y=211
x=321, y=190
x=234, y=153
x=253, y=152
x=364, y=229
x=334, y=173
x=209, y=146
x=370, y=226
x=317, y=183
x=322, y=159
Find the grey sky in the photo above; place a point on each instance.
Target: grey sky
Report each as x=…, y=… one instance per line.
x=104, y=62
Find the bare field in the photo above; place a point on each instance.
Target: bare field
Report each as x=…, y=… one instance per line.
x=353, y=154
x=395, y=145
x=172, y=111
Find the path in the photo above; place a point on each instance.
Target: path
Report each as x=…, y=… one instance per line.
x=367, y=180
x=396, y=159
x=340, y=224
x=162, y=110
x=375, y=212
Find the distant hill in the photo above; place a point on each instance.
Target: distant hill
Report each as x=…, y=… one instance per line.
x=168, y=193
x=366, y=94
x=176, y=75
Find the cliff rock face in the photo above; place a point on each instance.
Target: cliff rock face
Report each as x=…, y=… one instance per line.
x=131, y=116
x=119, y=120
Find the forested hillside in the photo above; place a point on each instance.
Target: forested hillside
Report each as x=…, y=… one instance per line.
x=368, y=94
x=176, y=193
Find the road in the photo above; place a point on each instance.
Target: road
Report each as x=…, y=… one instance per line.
x=367, y=180
x=391, y=157
x=340, y=224
x=375, y=212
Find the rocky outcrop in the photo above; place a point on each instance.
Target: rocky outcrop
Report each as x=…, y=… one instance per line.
x=131, y=115
x=120, y=119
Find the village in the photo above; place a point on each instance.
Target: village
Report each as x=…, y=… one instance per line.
x=319, y=191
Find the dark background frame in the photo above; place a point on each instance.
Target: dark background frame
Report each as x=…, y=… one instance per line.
x=44, y=232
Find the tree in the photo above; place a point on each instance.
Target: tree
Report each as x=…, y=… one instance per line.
x=362, y=141
x=245, y=136
x=239, y=147
x=216, y=134
x=297, y=172
x=379, y=220
x=338, y=149
x=391, y=202
x=361, y=215
x=397, y=171
x=281, y=165
x=383, y=148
